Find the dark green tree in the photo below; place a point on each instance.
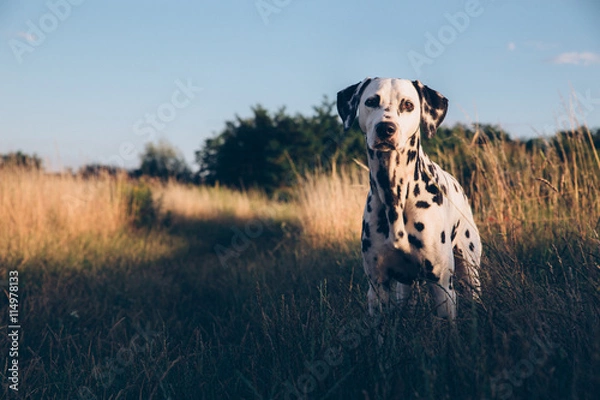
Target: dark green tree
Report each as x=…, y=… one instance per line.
x=20, y=160
x=163, y=161
x=269, y=151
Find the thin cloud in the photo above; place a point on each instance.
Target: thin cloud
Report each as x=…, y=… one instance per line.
x=511, y=46
x=27, y=36
x=585, y=58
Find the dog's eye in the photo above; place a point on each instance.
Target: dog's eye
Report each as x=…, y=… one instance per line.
x=372, y=101
x=408, y=106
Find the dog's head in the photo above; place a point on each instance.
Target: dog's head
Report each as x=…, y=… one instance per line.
x=390, y=111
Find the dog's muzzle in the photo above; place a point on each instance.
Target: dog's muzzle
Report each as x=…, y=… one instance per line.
x=384, y=132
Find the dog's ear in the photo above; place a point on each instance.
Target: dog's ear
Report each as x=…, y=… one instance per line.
x=348, y=101
x=433, y=108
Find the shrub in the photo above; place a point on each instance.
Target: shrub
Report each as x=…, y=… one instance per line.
x=142, y=209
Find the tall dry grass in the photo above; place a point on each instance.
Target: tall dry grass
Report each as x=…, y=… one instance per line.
x=330, y=206
x=203, y=203
x=68, y=220
x=515, y=192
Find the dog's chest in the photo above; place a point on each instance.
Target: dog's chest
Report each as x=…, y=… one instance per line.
x=407, y=194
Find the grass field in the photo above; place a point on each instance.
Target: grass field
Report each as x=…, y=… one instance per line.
x=132, y=290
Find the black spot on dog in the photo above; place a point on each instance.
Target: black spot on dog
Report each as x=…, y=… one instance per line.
x=455, y=187
x=432, y=128
x=419, y=226
x=471, y=246
x=412, y=140
x=433, y=189
x=422, y=204
x=443, y=237
x=392, y=215
x=415, y=242
x=404, y=217
x=366, y=229
x=372, y=183
x=398, y=158
x=467, y=233
x=424, y=177
x=431, y=169
x=383, y=180
x=366, y=244
x=407, y=190
x=411, y=155
x=438, y=199
x=398, y=191
x=429, y=275
x=453, y=234
x=444, y=190
x=428, y=266
x=417, y=190
x=382, y=223
x=417, y=170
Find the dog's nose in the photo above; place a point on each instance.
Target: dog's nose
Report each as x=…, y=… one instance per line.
x=385, y=129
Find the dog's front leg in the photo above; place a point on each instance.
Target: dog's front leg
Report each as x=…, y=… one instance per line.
x=403, y=293
x=444, y=294
x=378, y=298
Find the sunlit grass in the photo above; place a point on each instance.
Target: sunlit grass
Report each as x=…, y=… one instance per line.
x=69, y=221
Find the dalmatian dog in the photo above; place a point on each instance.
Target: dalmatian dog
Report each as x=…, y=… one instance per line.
x=417, y=222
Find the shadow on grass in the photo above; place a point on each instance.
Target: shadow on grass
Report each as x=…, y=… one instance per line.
x=277, y=319
x=79, y=321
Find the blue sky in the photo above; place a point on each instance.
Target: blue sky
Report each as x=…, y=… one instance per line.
x=92, y=81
